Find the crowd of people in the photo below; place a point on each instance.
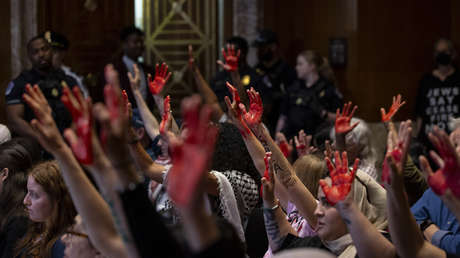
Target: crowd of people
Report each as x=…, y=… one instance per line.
x=268, y=161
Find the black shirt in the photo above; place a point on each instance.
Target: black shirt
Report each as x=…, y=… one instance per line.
x=249, y=78
x=275, y=81
x=437, y=102
x=304, y=106
x=51, y=86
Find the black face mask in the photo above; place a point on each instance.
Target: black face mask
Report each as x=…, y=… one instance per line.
x=443, y=58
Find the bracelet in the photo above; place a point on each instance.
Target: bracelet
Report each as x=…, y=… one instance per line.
x=277, y=205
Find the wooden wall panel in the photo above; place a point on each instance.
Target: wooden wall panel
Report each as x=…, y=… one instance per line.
x=389, y=42
x=94, y=36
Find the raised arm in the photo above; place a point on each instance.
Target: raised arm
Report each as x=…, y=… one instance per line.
x=276, y=224
x=89, y=204
x=152, y=126
x=366, y=238
x=231, y=58
x=405, y=233
x=343, y=126
x=204, y=89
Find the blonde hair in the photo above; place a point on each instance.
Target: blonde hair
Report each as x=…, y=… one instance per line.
x=322, y=64
x=310, y=169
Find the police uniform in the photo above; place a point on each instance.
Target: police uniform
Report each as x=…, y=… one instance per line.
x=304, y=107
x=51, y=86
x=248, y=76
x=275, y=81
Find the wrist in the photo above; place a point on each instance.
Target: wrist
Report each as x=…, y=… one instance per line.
x=270, y=204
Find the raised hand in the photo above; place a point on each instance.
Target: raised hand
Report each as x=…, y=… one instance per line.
x=234, y=111
x=267, y=190
x=231, y=58
x=166, y=118
x=134, y=79
x=302, y=144
x=397, y=148
x=448, y=175
x=44, y=126
x=256, y=109
x=393, y=109
x=284, y=145
x=342, y=121
x=341, y=178
x=191, y=156
x=161, y=77
x=80, y=140
x=112, y=115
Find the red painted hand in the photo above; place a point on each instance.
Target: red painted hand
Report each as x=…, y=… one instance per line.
x=165, y=121
x=268, y=156
x=303, y=144
x=282, y=142
x=161, y=77
x=341, y=178
x=81, y=110
x=448, y=176
x=393, y=109
x=256, y=109
x=231, y=58
x=191, y=157
x=342, y=121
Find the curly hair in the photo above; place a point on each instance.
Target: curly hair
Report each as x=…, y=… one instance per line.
x=231, y=153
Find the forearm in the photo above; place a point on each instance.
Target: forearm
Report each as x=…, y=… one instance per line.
x=91, y=206
x=366, y=238
x=208, y=94
x=151, y=124
x=256, y=151
x=297, y=192
x=145, y=163
x=404, y=230
x=281, y=123
x=277, y=227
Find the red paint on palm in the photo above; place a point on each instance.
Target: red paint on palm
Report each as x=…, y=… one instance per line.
x=342, y=121
x=126, y=103
x=166, y=114
x=341, y=178
x=256, y=109
x=267, y=158
x=235, y=98
x=161, y=77
x=231, y=58
x=393, y=109
x=437, y=182
x=284, y=147
x=397, y=156
x=82, y=148
x=449, y=174
x=191, y=157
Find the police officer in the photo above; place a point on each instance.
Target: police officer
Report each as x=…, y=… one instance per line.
x=248, y=75
x=50, y=81
x=59, y=46
x=312, y=100
x=276, y=75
